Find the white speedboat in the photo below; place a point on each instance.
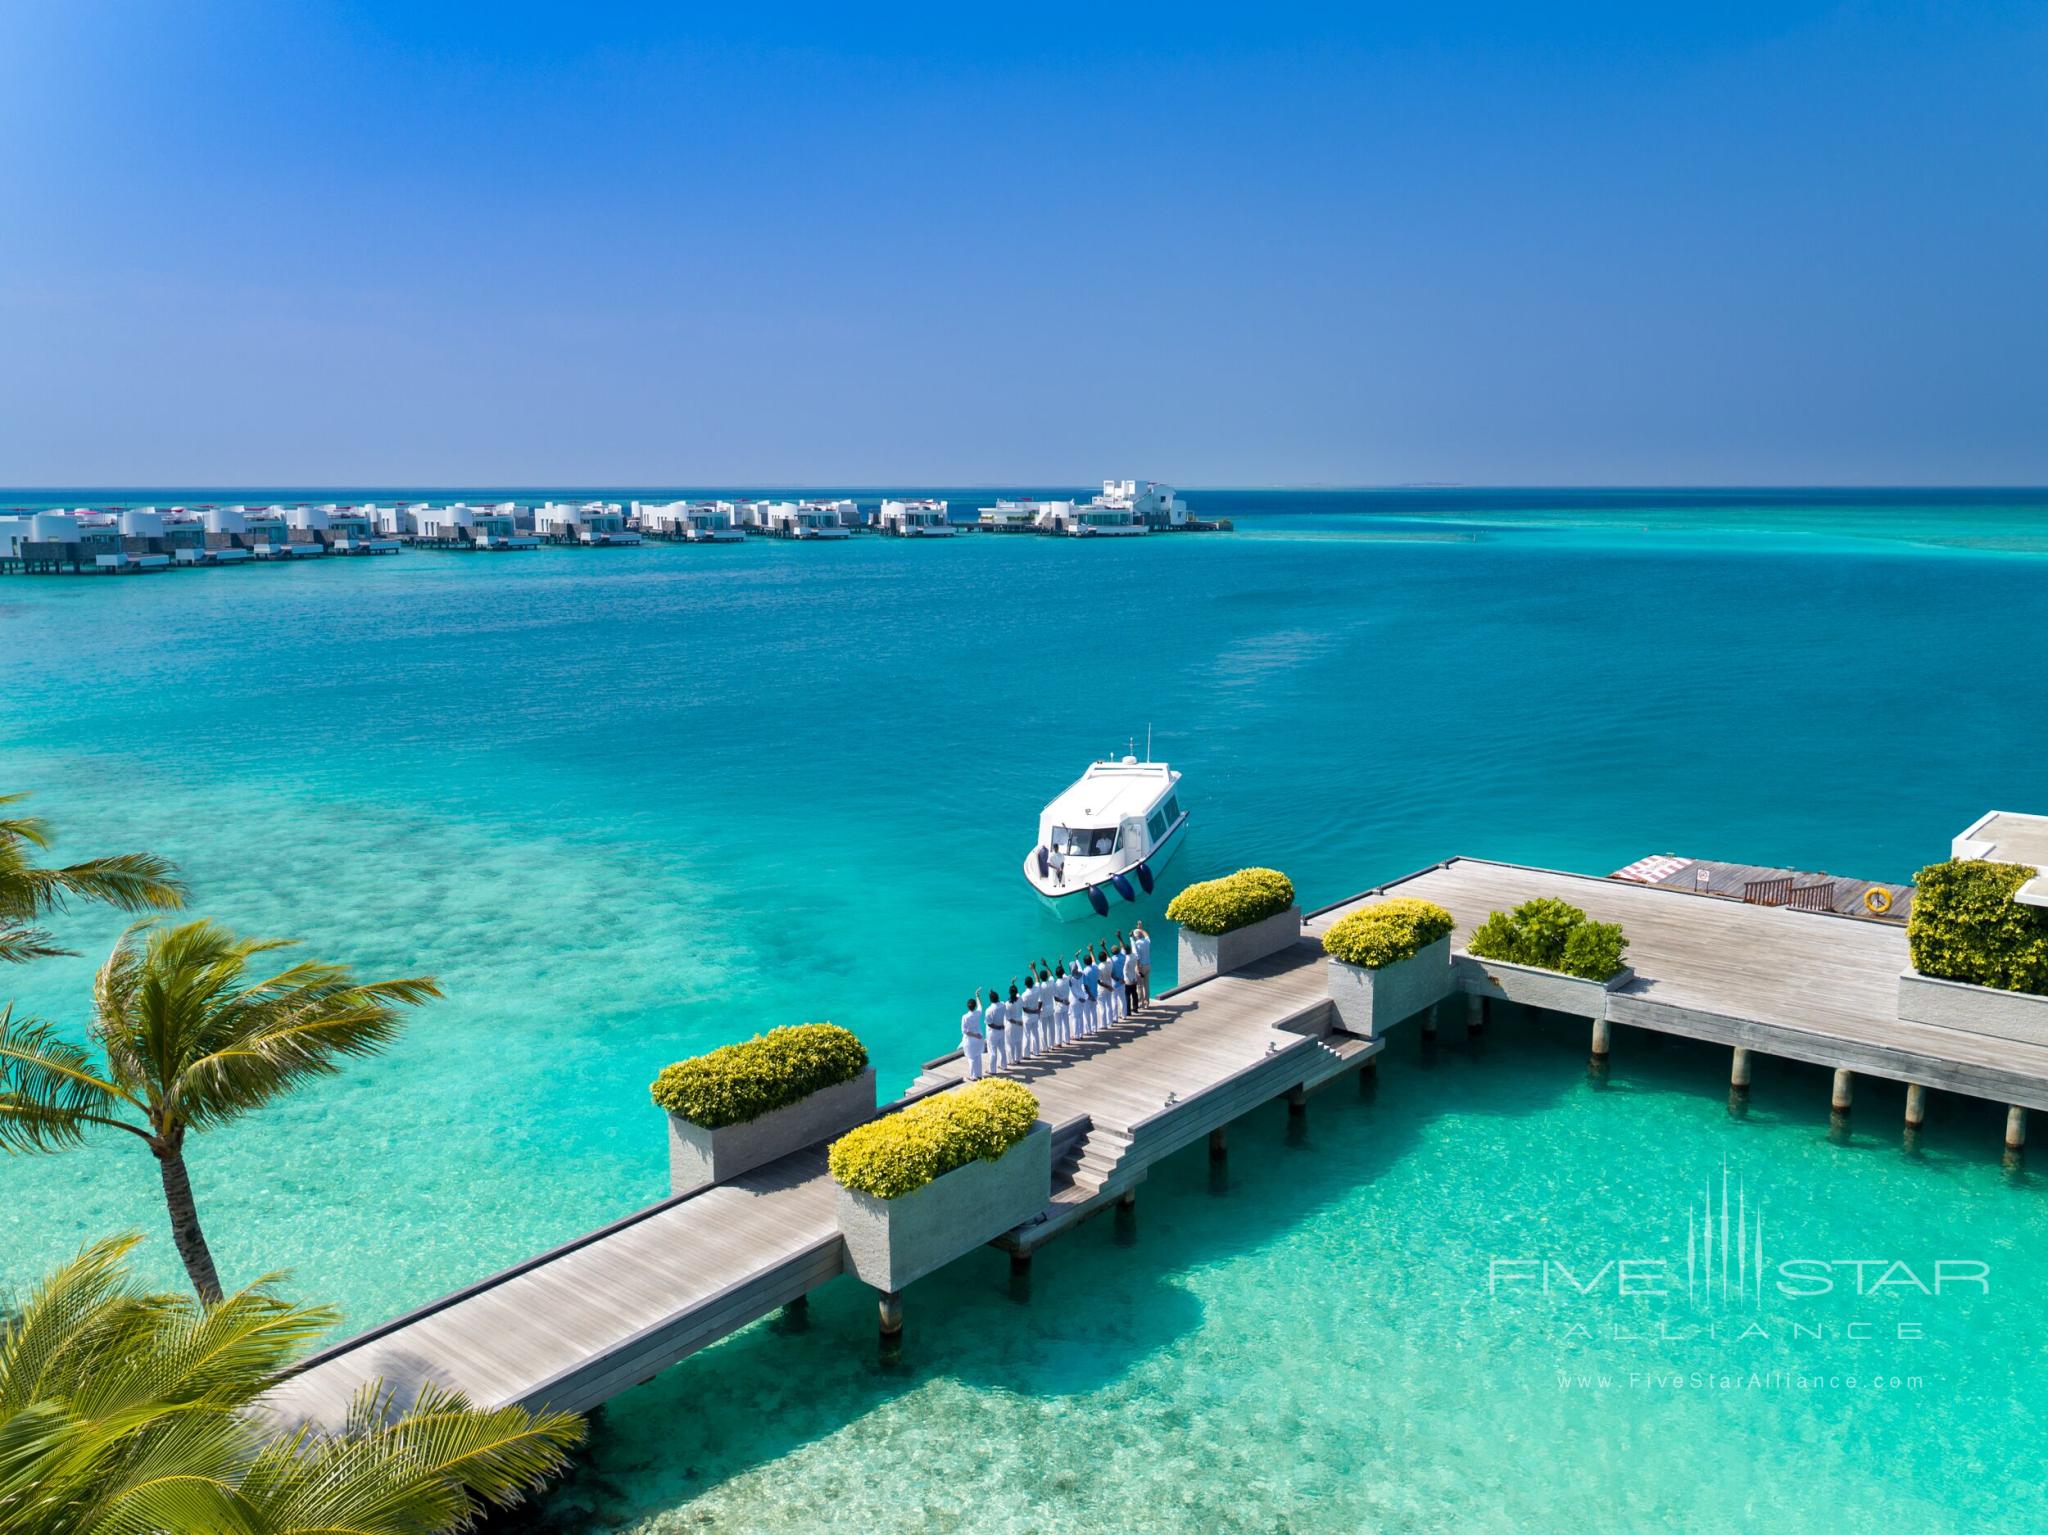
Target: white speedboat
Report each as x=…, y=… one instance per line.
x=1104, y=839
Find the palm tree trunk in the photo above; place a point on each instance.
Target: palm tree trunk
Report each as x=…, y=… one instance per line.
x=185, y=1230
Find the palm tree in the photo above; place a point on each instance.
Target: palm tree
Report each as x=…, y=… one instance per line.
x=191, y=1041
x=131, y=881
x=123, y=1411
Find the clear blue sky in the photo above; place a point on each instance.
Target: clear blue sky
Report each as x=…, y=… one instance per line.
x=384, y=243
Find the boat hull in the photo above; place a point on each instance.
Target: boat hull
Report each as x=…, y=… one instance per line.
x=1073, y=903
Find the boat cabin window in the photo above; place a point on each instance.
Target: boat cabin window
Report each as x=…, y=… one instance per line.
x=1172, y=808
x=1084, y=841
x=1157, y=825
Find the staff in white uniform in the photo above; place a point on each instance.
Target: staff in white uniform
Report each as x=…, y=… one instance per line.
x=1141, y=942
x=1062, y=1005
x=973, y=1042
x=1033, y=1039
x=996, y=1021
x=1091, y=1017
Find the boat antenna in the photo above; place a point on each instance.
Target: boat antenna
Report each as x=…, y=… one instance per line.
x=1148, y=740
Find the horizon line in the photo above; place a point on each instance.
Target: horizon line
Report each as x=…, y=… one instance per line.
x=565, y=486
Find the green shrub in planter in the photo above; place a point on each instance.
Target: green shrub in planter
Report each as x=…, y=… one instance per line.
x=1387, y=932
x=1967, y=927
x=1593, y=950
x=1237, y=900
x=1551, y=935
x=902, y=1152
x=736, y=1083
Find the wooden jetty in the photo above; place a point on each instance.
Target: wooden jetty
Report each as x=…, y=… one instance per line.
x=575, y=1326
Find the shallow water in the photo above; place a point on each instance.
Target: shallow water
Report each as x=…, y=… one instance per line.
x=628, y=804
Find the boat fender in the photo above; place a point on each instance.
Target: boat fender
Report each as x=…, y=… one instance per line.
x=1144, y=873
x=1098, y=900
x=1123, y=887
x=1044, y=864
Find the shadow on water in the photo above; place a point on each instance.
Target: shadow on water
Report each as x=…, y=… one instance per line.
x=1095, y=1304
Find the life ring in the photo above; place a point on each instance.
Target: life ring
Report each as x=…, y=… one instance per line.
x=1877, y=900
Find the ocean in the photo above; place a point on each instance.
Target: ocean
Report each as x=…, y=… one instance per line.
x=629, y=804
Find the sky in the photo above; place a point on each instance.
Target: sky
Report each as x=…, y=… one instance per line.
x=329, y=244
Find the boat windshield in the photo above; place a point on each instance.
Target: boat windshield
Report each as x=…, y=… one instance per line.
x=1084, y=842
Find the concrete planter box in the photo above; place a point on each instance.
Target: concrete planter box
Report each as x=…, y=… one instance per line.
x=698, y=1157
x=1536, y=988
x=1370, y=1002
x=1203, y=955
x=2014, y=1015
x=890, y=1242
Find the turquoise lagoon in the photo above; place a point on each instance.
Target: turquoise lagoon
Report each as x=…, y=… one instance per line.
x=628, y=804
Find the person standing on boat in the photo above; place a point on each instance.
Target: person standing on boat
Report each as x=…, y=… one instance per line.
x=1056, y=857
x=1141, y=945
x=973, y=1041
x=1062, y=1005
x=996, y=1021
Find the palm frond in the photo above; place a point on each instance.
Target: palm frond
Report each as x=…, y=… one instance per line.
x=178, y=1008
x=128, y=881
x=20, y=944
x=429, y=1468
x=81, y=1311
x=496, y=1455
x=128, y=1413
x=31, y=829
x=220, y=1356
x=50, y=1095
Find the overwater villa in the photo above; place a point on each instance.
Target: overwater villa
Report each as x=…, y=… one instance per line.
x=226, y=528
x=462, y=526
x=1022, y=516
x=695, y=522
x=397, y=522
x=353, y=530
x=595, y=523
x=846, y=512
x=805, y=520
x=268, y=536
x=914, y=519
x=1153, y=504
x=1093, y=519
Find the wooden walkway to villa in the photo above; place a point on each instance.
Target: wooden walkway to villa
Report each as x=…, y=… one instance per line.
x=577, y=1325
x=1803, y=985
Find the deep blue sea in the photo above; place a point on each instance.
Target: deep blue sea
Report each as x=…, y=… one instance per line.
x=629, y=804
